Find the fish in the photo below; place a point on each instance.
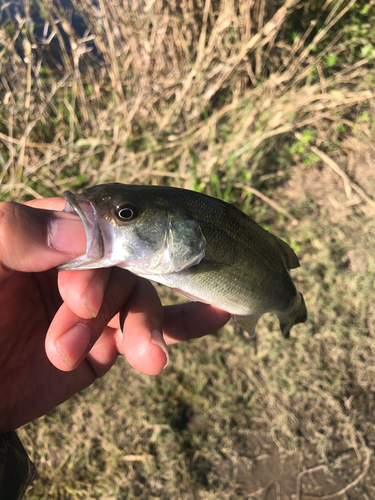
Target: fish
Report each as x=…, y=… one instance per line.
x=203, y=247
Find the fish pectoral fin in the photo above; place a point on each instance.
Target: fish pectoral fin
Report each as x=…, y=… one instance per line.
x=189, y=296
x=248, y=323
x=83, y=262
x=295, y=314
x=184, y=244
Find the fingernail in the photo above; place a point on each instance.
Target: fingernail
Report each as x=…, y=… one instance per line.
x=74, y=344
x=157, y=339
x=94, y=293
x=67, y=235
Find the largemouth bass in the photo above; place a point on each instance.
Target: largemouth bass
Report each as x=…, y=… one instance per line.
x=198, y=245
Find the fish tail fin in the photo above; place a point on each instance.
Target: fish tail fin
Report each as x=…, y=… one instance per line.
x=295, y=314
x=248, y=323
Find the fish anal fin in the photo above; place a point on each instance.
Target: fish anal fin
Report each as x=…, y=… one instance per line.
x=248, y=323
x=295, y=314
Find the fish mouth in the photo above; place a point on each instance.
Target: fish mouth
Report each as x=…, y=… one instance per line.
x=95, y=248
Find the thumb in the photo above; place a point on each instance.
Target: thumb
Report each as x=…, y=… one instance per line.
x=33, y=239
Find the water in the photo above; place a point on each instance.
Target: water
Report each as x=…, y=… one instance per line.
x=45, y=43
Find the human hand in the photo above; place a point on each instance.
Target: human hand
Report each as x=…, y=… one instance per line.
x=60, y=330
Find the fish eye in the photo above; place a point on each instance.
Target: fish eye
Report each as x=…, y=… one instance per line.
x=126, y=212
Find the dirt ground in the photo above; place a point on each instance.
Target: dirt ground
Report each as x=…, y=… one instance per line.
x=349, y=475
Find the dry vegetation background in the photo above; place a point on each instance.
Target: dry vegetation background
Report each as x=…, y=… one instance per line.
x=268, y=105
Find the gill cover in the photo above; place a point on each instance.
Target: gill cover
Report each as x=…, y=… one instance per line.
x=161, y=243
x=182, y=246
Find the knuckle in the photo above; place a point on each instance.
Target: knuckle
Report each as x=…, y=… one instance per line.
x=21, y=231
x=186, y=330
x=110, y=306
x=8, y=221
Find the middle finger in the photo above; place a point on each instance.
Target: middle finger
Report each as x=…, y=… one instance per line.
x=71, y=336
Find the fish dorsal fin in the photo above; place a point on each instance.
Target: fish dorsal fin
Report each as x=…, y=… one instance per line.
x=291, y=259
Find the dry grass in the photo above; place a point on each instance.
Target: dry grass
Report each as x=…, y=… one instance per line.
x=149, y=92
x=239, y=100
